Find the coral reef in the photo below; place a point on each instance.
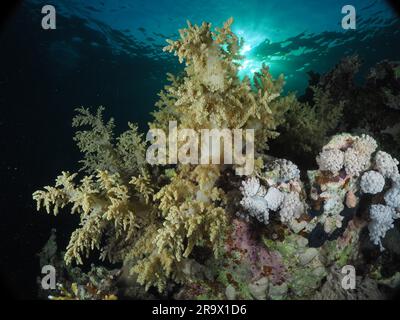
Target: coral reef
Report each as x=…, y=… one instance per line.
x=367, y=289
x=127, y=212
x=386, y=165
x=382, y=218
x=255, y=200
x=283, y=194
x=124, y=155
x=372, y=182
x=197, y=231
x=392, y=198
x=339, y=187
x=307, y=126
x=74, y=284
x=335, y=102
x=209, y=94
x=331, y=160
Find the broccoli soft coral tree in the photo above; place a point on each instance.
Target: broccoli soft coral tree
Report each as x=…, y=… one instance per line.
x=110, y=200
x=209, y=94
x=168, y=224
x=152, y=222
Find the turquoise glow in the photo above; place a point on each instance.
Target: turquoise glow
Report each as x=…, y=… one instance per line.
x=249, y=64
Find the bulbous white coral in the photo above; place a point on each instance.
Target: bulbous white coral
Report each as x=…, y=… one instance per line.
x=392, y=197
x=257, y=208
x=357, y=157
x=257, y=201
x=252, y=187
x=292, y=207
x=386, y=165
x=286, y=170
x=274, y=198
x=357, y=153
x=396, y=180
x=382, y=218
x=365, y=145
x=253, y=199
x=331, y=160
x=355, y=162
x=372, y=182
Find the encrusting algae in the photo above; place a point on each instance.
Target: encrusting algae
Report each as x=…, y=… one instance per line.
x=193, y=224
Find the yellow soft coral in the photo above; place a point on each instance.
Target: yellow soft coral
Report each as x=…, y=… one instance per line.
x=142, y=184
x=208, y=95
x=103, y=204
x=151, y=221
x=191, y=213
x=211, y=95
x=191, y=217
x=102, y=151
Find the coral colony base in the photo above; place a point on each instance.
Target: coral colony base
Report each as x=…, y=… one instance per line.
x=199, y=231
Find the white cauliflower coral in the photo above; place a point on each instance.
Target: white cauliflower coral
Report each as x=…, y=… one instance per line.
x=357, y=157
x=370, y=174
x=355, y=162
x=386, y=165
x=252, y=187
x=257, y=208
x=392, y=197
x=382, y=218
x=283, y=179
x=253, y=199
x=257, y=201
x=292, y=207
x=286, y=170
x=331, y=160
x=274, y=198
x=372, y=182
x=396, y=180
x=351, y=162
x=365, y=145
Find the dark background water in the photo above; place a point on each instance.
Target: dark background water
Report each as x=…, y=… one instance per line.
x=109, y=53
x=41, y=83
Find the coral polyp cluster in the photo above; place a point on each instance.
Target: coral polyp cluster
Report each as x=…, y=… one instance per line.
x=282, y=194
x=201, y=231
